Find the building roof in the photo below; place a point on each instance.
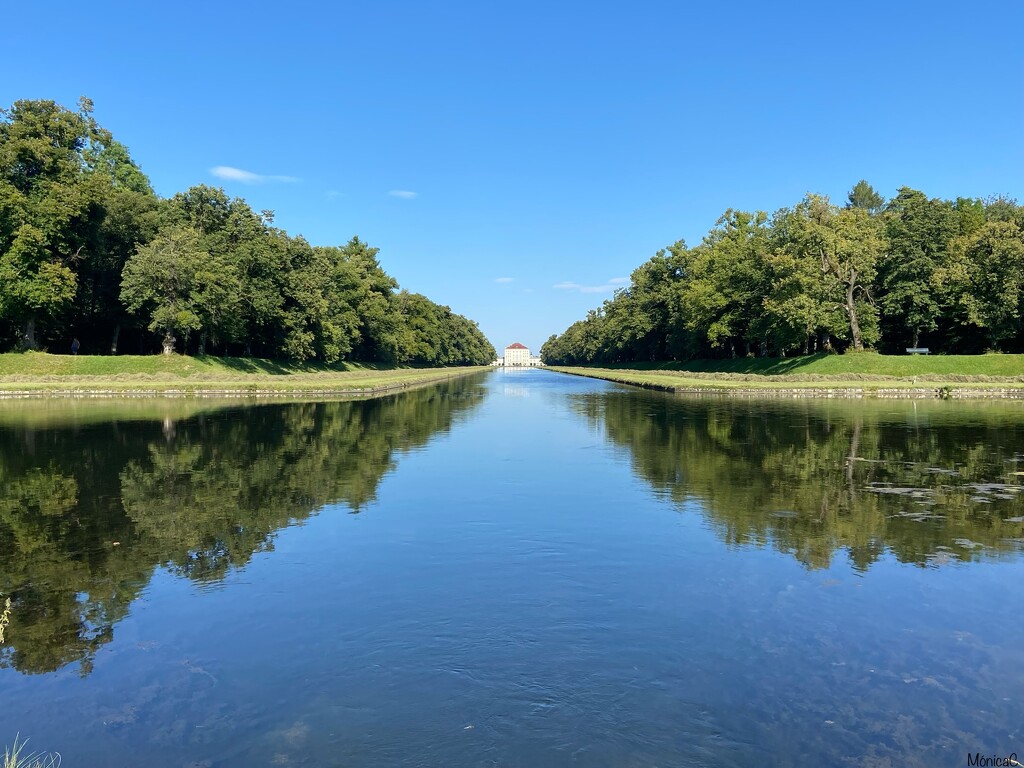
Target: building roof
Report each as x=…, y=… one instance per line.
x=516, y=345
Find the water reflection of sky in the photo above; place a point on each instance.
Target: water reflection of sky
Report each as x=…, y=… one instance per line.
x=587, y=575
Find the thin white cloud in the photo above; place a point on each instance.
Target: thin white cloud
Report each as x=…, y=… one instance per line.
x=608, y=287
x=332, y=193
x=404, y=194
x=228, y=173
x=504, y=279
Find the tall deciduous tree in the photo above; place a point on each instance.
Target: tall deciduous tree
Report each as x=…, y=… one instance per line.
x=918, y=234
x=33, y=284
x=74, y=206
x=374, y=302
x=986, y=278
x=799, y=308
x=847, y=244
x=178, y=286
x=43, y=201
x=723, y=299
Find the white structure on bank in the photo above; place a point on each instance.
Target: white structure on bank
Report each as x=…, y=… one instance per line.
x=518, y=356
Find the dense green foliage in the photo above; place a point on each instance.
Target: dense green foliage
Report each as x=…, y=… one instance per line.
x=88, y=251
x=82, y=532
x=817, y=277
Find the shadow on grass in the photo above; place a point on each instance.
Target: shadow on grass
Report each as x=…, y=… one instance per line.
x=257, y=365
x=249, y=365
x=765, y=366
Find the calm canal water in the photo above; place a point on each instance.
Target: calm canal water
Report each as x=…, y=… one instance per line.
x=513, y=569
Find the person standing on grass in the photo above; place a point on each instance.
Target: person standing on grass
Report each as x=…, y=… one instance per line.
x=75, y=344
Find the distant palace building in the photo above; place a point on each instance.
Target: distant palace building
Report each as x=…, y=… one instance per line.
x=518, y=356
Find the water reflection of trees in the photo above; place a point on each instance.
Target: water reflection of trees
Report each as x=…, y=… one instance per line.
x=929, y=482
x=87, y=512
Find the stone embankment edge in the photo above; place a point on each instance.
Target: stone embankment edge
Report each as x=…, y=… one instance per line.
x=230, y=392
x=942, y=392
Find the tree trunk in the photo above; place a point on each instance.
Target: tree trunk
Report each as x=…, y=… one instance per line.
x=202, y=344
x=30, y=334
x=917, y=335
x=168, y=343
x=113, y=340
x=851, y=310
x=763, y=350
x=732, y=348
x=807, y=344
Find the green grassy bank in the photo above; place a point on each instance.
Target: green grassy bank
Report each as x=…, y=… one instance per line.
x=857, y=364
x=38, y=373
x=853, y=375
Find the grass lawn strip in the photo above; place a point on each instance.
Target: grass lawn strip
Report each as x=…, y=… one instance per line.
x=39, y=374
x=854, y=366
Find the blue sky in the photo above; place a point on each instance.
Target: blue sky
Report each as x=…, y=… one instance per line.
x=517, y=161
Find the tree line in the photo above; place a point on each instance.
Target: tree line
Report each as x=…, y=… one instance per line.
x=89, y=251
x=909, y=272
